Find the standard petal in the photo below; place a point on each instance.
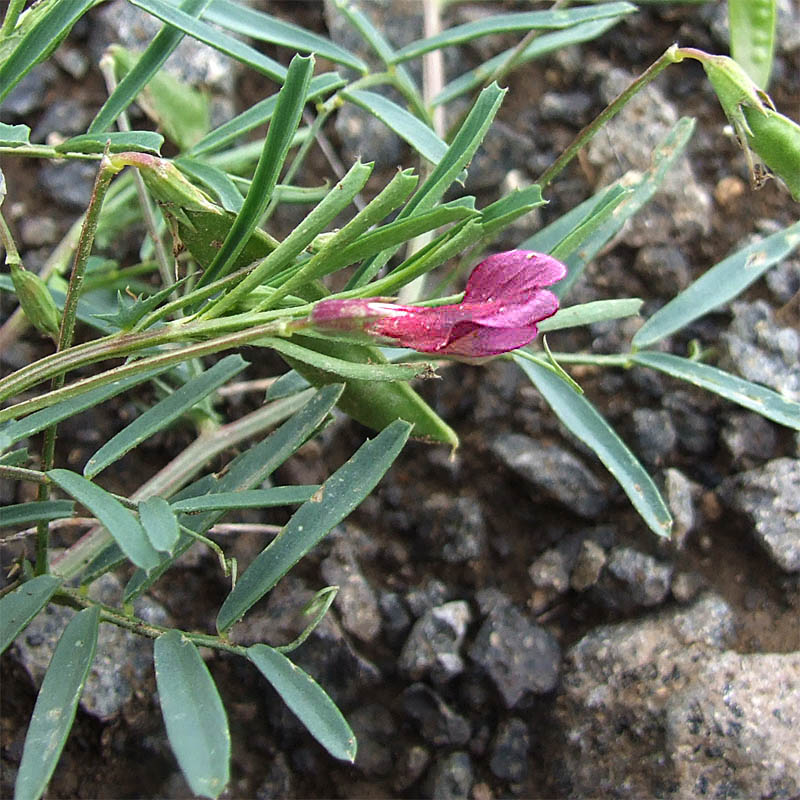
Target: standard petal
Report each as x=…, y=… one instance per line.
x=509, y=276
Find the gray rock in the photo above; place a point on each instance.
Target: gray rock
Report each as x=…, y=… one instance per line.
x=509, y=759
x=759, y=349
x=356, y=600
x=365, y=137
x=123, y=663
x=734, y=730
x=664, y=269
x=375, y=729
x=396, y=619
x=632, y=579
x=783, y=279
x=695, y=425
x=749, y=437
x=630, y=138
x=410, y=766
x=551, y=570
x=686, y=586
x=438, y=723
x=430, y=594
x=192, y=61
x=769, y=497
x=64, y=117
x=679, y=493
x=451, y=777
x=37, y=230
x=453, y=529
x=29, y=94
x=433, y=647
x=550, y=578
x=570, y=107
x=588, y=566
x=655, y=435
x=553, y=470
x=69, y=184
x=518, y=655
x=617, y=682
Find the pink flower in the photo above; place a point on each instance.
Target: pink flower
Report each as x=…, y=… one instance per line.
x=503, y=301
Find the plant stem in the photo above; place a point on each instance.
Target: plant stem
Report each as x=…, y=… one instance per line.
x=165, y=268
x=74, y=599
x=82, y=253
x=670, y=56
x=45, y=151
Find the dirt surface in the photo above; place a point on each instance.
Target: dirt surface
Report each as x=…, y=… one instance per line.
x=128, y=756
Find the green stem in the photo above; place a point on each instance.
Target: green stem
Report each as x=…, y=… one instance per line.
x=670, y=56
x=75, y=599
x=245, y=329
x=12, y=15
x=84, y=249
x=7, y=240
x=45, y=151
x=22, y=474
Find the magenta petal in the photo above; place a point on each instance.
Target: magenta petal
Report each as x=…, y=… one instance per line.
x=508, y=277
x=480, y=342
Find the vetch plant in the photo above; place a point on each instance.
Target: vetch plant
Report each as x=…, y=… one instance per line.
x=214, y=274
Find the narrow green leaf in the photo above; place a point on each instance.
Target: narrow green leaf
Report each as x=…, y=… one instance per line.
x=314, y=223
x=718, y=285
x=19, y=607
x=498, y=215
x=12, y=432
x=56, y=704
x=408, y=127
x=458, y=155
x=506, y=23
x=749, y=395
x=347, y=370
x=197, y=726
x=378, y=42
x=587, y=313
x=120, y=522
x=213, y=37
x=160, y=523
x=226, y=191
x=14, y=135
x=247, y=498
x=42, y=511
x=581, y=418
x=164, y=413
x=16, y=458
x=288, y=384
x=260, y=114
x=375, y=404
x=146, y=67
x=336, y=252
x=258, y=25
x=42, y=38
x=612, y=208
x=245, y=471
x=752, y=30
x=339, y=495
x=540, y=46
x=284, y=123
x=307, y=699
x=120, y=142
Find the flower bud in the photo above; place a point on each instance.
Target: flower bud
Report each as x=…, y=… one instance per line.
x=36, y=301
